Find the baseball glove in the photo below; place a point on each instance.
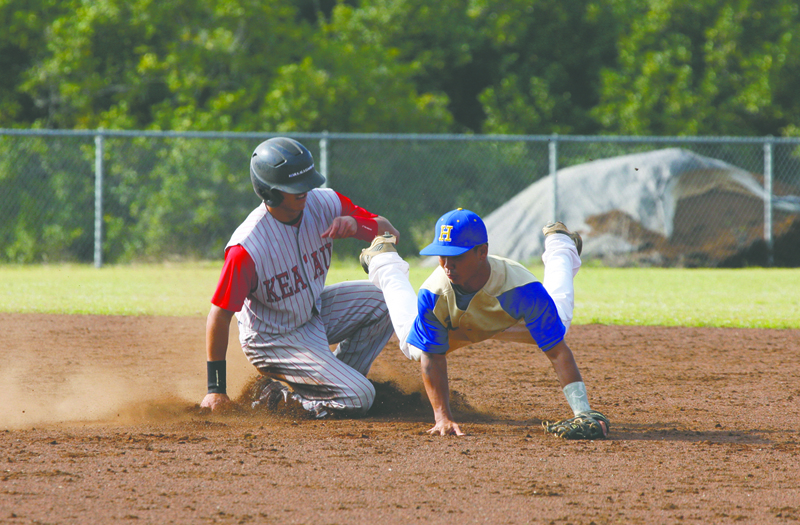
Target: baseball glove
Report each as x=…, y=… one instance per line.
x=586, y=425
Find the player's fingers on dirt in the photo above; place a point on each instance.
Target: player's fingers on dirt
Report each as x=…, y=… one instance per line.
x=446, y=429
x=436, y=430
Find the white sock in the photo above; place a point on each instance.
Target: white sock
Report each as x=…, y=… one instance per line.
x=576, y=397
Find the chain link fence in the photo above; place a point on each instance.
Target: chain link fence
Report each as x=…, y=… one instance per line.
x=99, y=196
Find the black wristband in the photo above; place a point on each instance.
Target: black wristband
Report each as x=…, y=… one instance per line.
x=217, y=383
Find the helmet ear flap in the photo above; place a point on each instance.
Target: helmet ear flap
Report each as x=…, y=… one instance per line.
x=275, y=198
x=266, y=193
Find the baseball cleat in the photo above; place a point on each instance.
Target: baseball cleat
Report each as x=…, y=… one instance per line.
x=380, y=244
x=559, y=227
x=271, y=395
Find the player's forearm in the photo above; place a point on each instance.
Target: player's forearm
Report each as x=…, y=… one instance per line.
x=564, y=364
x=570, y=377
x=218, y=326
x=434, y=376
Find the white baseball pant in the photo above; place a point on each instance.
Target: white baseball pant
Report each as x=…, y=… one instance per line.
x=355, y=317
x=389, y=272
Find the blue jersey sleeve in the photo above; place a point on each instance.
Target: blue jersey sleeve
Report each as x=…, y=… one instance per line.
x=428, y=334
x=532, y=303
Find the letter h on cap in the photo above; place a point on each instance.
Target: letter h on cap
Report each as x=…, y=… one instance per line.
x=444, y=235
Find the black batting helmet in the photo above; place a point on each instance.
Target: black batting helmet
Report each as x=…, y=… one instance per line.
x=282, y=164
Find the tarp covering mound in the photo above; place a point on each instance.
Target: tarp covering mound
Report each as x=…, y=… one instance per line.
x=665, y=207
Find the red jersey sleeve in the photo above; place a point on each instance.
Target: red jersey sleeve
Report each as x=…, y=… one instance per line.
x=237, y=280
x=367, y=225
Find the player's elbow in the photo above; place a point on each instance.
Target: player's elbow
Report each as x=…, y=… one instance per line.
x=414, y=353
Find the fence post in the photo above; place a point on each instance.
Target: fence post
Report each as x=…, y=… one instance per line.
x=553, y=154
x=768, y=201
x=323, y=158
x=98, y=198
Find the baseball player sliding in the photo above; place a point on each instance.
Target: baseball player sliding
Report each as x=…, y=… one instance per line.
x=473, y=296
x=273, y=280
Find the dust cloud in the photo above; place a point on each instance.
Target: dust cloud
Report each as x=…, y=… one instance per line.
x=61, y=370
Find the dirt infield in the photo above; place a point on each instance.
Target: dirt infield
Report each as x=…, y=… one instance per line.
x=99, y=424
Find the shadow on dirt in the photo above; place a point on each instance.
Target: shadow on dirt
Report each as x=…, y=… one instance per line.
x=654, y=433
x=391, y=402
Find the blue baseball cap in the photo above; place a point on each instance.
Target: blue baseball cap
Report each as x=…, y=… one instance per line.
x=456, y=232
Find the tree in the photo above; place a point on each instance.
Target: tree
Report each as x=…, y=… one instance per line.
x=551, y=53
x=444, y=42
x=224, y=64
x=506, y=66
x=24, y=23
x=145, y=64
x=705, y=67
x=351, y=83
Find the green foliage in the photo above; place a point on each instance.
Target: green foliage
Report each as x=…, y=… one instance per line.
x=22, y=44
x=234, y=65
x=141, y=64
x=162, y=199
x=443, y=41
x=47, y=211
x=414, y=182
x=549, y=57
x=517, y=66
x=726, y=67
x=664, y=67
x=175, y=198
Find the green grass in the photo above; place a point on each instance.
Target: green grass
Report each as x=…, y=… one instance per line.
x=755, y=298
x=752, y=297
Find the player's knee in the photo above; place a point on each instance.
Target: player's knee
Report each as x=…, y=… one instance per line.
x=365, y=400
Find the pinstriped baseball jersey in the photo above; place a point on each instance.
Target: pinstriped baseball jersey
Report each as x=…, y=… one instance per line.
x=447, y=319
x=291, y=262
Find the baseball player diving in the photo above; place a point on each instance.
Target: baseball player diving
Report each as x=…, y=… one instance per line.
x=273, y=280
x=473, y=296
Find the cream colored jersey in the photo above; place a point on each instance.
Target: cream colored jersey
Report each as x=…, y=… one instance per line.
x=447, y=319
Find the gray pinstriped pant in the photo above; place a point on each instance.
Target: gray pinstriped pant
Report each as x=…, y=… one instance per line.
x=354, y=317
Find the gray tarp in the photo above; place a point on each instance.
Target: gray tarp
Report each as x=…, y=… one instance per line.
x=645, y=186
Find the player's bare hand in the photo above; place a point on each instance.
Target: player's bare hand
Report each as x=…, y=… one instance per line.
x=341, y=228
x=446, y=428
x=216, y=402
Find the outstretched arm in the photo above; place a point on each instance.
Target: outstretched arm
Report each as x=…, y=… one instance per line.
x=570, y=377
x=218, y=326
x=564, y=364
x=434, y=375
x=588, y=423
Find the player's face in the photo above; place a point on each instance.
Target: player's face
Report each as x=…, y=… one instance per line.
x=468, y=270
x=290, y=207
x=294, y=201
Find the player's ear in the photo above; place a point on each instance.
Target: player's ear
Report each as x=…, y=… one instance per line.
x=482, y=251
